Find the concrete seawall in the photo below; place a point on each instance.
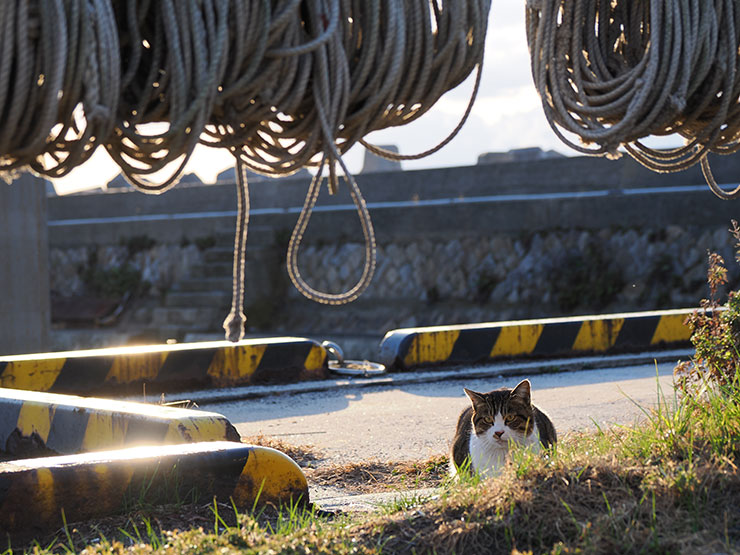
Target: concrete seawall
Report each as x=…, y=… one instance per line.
x=81, y=219
x=485, y=243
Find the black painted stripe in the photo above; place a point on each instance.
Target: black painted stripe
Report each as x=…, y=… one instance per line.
x=637, y=332
x=9, y=412
x=146, y=431
x=474, y=345
x=80, y=374
x=87, y=483
x=67, y=430
x=281, y=362
x=7, y=480
x=186, y=366
x=286, y=354
x=221, y=469
x=404, y=346
x=3, y=366
x=557, y=338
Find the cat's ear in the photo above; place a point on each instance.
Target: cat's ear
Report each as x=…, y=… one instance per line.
x=523, y=391
x=475, y=397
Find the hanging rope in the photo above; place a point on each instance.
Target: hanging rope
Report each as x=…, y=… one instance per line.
x=234, y=323
x=282, y=84
x=613, y=72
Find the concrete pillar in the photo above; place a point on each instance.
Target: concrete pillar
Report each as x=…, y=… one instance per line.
x=25, y=311
x=375, y=163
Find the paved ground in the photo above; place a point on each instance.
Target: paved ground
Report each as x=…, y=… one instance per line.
x=415, y=421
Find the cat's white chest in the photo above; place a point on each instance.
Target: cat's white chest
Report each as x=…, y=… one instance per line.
x=488, y=456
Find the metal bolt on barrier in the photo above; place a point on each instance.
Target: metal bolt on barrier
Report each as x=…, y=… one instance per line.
x=339, y=365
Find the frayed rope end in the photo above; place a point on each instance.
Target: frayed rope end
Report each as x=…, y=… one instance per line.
x=234, y=326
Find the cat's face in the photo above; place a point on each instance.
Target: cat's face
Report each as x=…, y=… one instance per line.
x=503, y=415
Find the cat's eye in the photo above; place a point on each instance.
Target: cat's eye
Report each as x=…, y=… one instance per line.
x=509, y=419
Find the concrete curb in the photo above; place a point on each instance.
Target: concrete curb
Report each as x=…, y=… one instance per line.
x=161, y=368
x=36, y=493
x=39, y=424
x=405, y=349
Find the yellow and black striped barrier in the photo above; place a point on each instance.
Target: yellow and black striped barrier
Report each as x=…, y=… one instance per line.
x=38, y=424
x=166, y=367
x=35, y=493
x=404, y=349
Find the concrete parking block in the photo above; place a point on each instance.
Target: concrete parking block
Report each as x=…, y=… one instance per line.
x=158, y=368
x=405, y=349
x=35, y=493
x=36, y=424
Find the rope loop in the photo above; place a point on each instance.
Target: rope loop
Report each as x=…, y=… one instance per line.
x=297, y=236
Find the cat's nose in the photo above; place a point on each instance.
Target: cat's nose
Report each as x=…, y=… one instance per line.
x=498, y=434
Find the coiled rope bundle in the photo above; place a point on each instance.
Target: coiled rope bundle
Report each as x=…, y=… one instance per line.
x=614, y=72
x=282, y=84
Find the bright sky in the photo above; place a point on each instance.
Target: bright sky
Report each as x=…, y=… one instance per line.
x=507, y=115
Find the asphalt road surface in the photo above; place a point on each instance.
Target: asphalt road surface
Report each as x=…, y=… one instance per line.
x=416, y=421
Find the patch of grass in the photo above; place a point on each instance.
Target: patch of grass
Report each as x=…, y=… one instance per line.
x=715, y=333
x=377, y=476
x=114, y=282
x=585, y=279
x=205, y=243
x=138, y=243
x=405, y=502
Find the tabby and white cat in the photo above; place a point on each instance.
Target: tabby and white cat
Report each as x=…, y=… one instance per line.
x=494, y=421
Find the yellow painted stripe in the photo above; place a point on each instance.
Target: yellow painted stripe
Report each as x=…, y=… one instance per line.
x=517, y=340
x=193, y=430
x=43, y=495
x=34, y=375
x=104, y=430
x=598, y=335
x=431, y=347
x=107, y=481
x=671, y=328
x=135, y=367
x=271, y=475
x=316, y=358
x=35, y=417
x=237, y=362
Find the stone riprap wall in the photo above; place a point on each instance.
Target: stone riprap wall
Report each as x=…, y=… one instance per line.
x=508, y=270
x=563, y=272
x=424, y=282
x=108, y=269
